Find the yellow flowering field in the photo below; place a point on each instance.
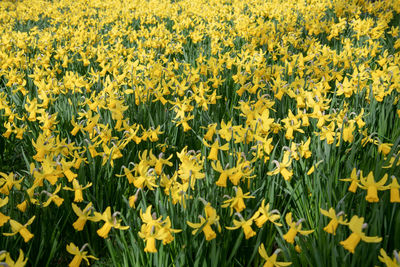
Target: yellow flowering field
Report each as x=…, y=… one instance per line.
x=199, y=133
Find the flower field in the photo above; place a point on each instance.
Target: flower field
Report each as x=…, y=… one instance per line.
x=200, y=133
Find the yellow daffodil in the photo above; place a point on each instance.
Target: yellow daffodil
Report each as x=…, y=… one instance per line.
x=190, y=167
x=110, y=221
x=353, y=179
x=53, y=197
x=215, y=147
x=384, y=148
x=160, y=162
x=49, y=171
x=284, y=167
x=16, y=227
x=295, y=228
x=356, y=225
x=384, y=258
x=304, y=149
x=206, y=223
x=237, y=202
x=226, y=131
x=79, y=255
x=84, y=215
x=292, y=124
x=264, y=214
x=211, y=130
x=77, y=127
x=335, y=220
x=7, y=182
x=31, y=107
x=145, y=176
x=372, y=187
x=271, y=261
x=154, y=228
x=66, y=168
x=224, y=173
x=328, y=133
x=394, y=190
x=3, y=218
x=348, y=130
x=245, y=224
x=77, y=188
x=133, y=199
x=6, y=260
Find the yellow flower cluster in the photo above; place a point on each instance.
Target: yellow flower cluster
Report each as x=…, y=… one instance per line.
x=241, y=103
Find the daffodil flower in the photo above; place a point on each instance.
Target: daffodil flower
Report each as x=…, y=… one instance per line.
x=79, y=255
x=43, y=145
x=6, y=260
x=395, y=262
x=3, y=218
x=190, y=167
x=21, y=206
x=9, y=131
x=245, y=224
x=295, y=228
x=348, y=130
x=224, y=173
x=394, y=191
x=271, y=261
x=91, y=123
x=145, y=176
x=167, y=231
x=264, y=214
x=110, y=221
x=78, y=158
x=50, y=172
x=356, y=225
x=154, y=228
x=77, y=188
x=128, y=174
x=53, y=197
x=206, y=223
x=372, y=187
x=313, y=167
x=215, y=147
x=292, y=124
x=346, y=87
x=177, y=190
x=21, y=229
x=150, y=239
x=209, y=233
x=264, y=120
x=77, y=126
x=226, y=131
x=133, y=199
x=242, y=170
x=328, y=133
x=384, y=148
x=335, y=220
x=160, y=162
x=353, y=179
x=7, y=182
x=31, y=108
x=66, y=168
x=211, y=129
x=237, y=202
x=284, y=167
x=149, y=219
x=304, y=149
x=84, y=215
